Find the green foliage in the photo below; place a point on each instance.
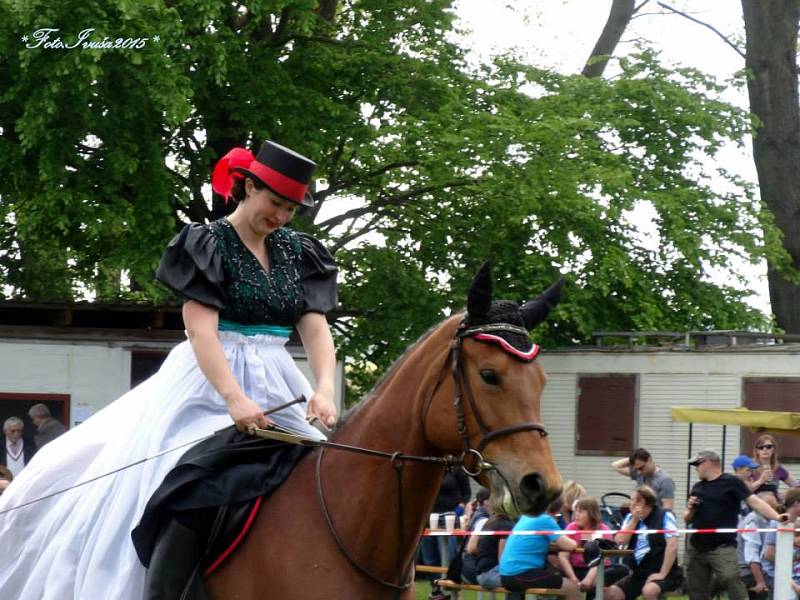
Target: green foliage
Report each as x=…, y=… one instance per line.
x=430, y=167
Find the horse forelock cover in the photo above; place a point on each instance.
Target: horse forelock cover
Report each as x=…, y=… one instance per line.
x=503, y=312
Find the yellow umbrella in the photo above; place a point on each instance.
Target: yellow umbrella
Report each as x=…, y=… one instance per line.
x=760, y=421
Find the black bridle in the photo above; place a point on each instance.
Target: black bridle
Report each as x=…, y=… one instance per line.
x=463, y=388
x=397, y=459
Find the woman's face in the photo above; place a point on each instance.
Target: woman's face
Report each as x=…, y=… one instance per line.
x=765, y=449
x=265, y=211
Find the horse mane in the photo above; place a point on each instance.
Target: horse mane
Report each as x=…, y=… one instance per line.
x=381, y=383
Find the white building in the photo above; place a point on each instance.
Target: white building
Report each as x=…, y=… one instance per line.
x=601, y=402
x=77, y=358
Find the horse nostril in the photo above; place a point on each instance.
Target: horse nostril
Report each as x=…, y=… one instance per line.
x=533, y=485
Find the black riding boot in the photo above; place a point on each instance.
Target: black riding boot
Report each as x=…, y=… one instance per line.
x=176, y=566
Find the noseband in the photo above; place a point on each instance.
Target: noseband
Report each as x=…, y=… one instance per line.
x=470, y=454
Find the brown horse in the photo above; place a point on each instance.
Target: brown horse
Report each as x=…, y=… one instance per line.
x=378, y=507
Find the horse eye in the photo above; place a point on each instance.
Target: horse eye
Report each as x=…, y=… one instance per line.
x=490, y=377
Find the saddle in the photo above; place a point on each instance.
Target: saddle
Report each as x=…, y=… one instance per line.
x=204, y=507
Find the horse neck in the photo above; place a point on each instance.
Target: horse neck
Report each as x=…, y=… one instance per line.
x=390, y=420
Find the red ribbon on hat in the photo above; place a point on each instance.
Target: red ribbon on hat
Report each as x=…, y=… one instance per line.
x=223, y=176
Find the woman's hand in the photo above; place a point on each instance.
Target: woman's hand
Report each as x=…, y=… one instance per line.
x=322, y=407
x=247, y=415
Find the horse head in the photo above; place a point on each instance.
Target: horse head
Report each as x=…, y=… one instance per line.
x=497, y=385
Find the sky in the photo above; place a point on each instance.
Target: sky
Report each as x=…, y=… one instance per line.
x=560, y=34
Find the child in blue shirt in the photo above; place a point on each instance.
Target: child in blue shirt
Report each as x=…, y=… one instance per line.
x=524, y=564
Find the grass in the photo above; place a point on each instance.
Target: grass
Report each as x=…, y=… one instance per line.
x=424, y=589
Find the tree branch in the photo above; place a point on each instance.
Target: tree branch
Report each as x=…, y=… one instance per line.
x=386, y=202
x=327, y=9
x=343, y=240
x=704, y=24
x=618, y=19
x=340, y=185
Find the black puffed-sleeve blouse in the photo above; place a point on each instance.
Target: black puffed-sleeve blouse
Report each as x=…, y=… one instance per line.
x=211, y=264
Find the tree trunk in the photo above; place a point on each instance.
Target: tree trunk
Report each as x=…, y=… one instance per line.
x=771, y=29
x=618, y=19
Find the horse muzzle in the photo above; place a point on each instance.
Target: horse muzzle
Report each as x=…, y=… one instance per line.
x=529, y=494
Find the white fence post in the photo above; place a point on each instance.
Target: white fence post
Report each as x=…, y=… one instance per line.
x=784, y=551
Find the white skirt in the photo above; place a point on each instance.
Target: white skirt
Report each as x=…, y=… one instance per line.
x=77, y=545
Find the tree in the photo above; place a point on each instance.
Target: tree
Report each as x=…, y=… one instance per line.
x=771, y=34
x=618, y=18
x=105, y=154
x=771, y=61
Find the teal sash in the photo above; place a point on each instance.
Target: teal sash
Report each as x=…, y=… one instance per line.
x=275, y=330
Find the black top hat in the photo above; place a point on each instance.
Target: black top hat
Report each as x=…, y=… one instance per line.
x=283, y=171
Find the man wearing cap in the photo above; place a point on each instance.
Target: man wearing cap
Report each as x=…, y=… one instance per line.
x=641, y=467
x=743, y=467
x=714, y=504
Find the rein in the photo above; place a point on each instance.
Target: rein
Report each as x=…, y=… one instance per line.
x=462, y=388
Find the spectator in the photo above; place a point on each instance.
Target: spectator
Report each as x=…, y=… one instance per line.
x=796, y=566
x=477, y=513
x=5, y=478
x=641, y=467
x=453, y=495
x=19, y=450
x=750, y=551
x=524, y=560
x=490, y=550
x=573, y=564
x=770, y=472
x=792, y=507
x=743, y=467
x=714, y=503
x=47, y=428
x=654, y=565
x=572, y=491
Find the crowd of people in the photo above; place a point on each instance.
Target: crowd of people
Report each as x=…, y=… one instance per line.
x=743, y=565
x=18, y=449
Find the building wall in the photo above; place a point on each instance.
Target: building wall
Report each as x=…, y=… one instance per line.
x=700, y=379
x=92, y=373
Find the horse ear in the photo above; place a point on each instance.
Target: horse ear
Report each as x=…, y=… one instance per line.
x=479, y=299
x=535, y=311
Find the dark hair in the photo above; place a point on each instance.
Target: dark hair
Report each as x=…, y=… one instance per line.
x=555, y=506
x=791, y=496
x=647, y=494
x=639, y=454
x=238, y=190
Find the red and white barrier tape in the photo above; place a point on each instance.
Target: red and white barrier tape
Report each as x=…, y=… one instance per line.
x=604, y=532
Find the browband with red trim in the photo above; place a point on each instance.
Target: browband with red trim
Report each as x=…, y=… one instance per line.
x=529, y=355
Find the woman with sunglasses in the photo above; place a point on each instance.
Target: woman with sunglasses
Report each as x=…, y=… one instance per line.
x=770, y=473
